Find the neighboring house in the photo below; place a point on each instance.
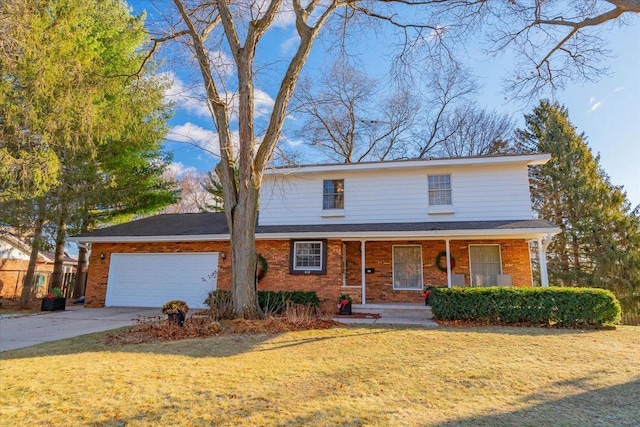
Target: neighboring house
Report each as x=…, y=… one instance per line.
x=14, y=261
x=378, y=231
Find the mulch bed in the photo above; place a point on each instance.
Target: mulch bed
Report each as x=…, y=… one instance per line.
x=157, y=329
x=13, y=305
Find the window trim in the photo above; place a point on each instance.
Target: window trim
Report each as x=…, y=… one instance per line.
x=328, y=210
x=471, y=281
x=440, y=206
x=308, y=271
x=393, y=268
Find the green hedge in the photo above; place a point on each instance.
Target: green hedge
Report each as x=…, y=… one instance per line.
x=567, y=307
x=270, y=302
x=275, y=302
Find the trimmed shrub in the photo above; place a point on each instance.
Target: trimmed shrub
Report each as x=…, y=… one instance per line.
x=270, y=302
x=567, y=307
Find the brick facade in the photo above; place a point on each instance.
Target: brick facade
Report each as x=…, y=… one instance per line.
x=379, y=286
x=379, y=256
x=12, y=273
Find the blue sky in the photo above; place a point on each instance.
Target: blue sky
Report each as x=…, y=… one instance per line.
x=607, y=111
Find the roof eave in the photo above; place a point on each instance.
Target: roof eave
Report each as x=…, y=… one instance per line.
x=516, y=233
x=529, y=160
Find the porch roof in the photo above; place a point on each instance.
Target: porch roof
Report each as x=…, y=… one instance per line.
x=213, y=226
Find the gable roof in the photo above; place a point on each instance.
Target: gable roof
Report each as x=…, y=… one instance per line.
x=213, y=226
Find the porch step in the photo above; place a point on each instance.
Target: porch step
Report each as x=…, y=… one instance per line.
x=395, y=310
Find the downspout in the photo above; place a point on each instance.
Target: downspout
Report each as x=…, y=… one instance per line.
x=448, y=250
x=543, y=244
x=363, y=271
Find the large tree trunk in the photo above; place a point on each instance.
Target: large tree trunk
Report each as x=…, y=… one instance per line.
x=27, y=283
x=244, y=257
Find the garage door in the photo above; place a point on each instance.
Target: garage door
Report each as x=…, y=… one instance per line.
x=150, y=280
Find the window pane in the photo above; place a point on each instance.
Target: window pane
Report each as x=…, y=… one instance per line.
x=407, y=267
x=333, y=194
x=308, y=256
x=439, y=189
x=485, y=264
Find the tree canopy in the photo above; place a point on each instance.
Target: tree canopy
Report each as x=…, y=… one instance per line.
x=600, y=240
x=81, y=121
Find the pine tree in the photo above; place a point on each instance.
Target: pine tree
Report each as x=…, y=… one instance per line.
x=599, y=245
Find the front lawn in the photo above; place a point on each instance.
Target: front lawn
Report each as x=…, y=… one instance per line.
x=343, y=376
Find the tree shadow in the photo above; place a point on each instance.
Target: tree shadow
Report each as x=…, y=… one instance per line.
x=523, y=330
x=213, y=346
x=608, y=406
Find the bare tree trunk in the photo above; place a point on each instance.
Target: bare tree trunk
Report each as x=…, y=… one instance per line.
x=81, y=272
x=244, y=257
x=27, y=284
x=58, y=263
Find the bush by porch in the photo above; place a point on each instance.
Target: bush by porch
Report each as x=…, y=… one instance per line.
x=566, y=307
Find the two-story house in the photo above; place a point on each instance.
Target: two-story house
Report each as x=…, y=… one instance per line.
x=379, y=231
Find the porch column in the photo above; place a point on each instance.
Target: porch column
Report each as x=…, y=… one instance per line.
x=363, y=270
x=448, y=250
x=543, y=244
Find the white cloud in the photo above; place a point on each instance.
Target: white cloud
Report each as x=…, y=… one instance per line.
x=178, y=169
x=222, y=63
x=263, y=103
x=618, y=89
x=197, y=136
x=595, y=106
x=189, y=98
x=287, y=46
x=286, y=17
x=205, y=139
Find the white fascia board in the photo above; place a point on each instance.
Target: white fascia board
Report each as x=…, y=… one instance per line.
x=151, y=239
x=516, y=233
x=529, y=160
x=519, y=233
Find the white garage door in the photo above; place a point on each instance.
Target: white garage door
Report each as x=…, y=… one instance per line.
x=150, y=280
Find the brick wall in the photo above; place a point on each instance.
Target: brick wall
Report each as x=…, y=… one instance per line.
x=98, y=271
x=379, y=256
x=276, y=252
x=515, y=261
x=12, y=273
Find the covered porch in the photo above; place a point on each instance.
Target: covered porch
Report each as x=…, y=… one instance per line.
x=397, y=269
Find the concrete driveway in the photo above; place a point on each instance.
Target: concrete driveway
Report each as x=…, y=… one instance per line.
x=24, y=331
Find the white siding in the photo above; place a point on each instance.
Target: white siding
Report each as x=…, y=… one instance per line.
x=487, y=192
x=8, y=251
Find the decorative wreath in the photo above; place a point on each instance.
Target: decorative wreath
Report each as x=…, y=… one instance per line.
x=262, y=268
x=441, y=261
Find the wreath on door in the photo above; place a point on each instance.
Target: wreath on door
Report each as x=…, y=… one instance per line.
x=441, y=261
x=261, y=268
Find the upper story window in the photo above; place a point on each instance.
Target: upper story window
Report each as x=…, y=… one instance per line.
x=439, y=190
x=333, y=194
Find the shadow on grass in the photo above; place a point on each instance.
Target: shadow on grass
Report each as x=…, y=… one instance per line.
x=522, y=330
x=609, y=406
x=214, y=346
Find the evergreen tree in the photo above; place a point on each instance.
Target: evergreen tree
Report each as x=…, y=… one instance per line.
x=599, y=245
x=68, y=95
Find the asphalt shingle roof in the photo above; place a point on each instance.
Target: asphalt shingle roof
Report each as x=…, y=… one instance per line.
x=214, y=223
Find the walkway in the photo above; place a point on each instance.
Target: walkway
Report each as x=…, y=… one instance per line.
x=392, y=314
x=24, y=331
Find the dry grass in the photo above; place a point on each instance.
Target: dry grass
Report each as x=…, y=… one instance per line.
x=343, y=376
